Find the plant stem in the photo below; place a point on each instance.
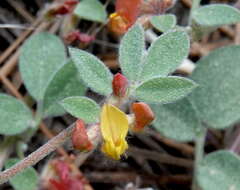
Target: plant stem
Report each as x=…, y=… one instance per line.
x=5, y=149
x=43, y=151
x=199, y=153
x=195, y=5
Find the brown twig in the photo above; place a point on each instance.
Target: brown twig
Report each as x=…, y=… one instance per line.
x=184, y=148
x=19, y=8
x=124, y=177
x=160, y=158
x=18, y=41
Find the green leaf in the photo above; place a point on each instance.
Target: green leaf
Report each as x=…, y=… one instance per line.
x=65, y=83
x=40, y=57
x=82, y=107
x=15, y=117
x=92, y=71
x=177, y=121
x=91, y=10
x=131, y=52
x=25, y=180
x=166, y=54
x=164, y=89
x=163, y=23
x=219, y=170
x=216, y=15
x=217, y=99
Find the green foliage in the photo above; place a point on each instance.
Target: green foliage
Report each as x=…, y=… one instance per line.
x=217, y=99
x=216, y=15
x=91, y=10
x=177, y=121
x=219, y=170
x=26, y=180
x=92, y=71
x=40, y=57
x=15, y=117
x=131, y=52
x=82, y=107
x=65, y=83
x=164, y=89
x=166, y=54
x=163, y=23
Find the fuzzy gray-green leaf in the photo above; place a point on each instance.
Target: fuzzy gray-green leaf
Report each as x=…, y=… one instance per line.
x=25, y=180
x=131, y=52
x=217, y=99
x=166, y=54
x=164, y=89
x=219, y=170
x=177, y=121
x=163, y=23
x=216, y=15
x=92, y=10
x=40, y=57
x=92, y=71
x=15, y=117
x=65, y=83
x=82, y=107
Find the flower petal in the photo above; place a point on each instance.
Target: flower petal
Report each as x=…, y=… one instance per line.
x=114, y=123
x=114, y=128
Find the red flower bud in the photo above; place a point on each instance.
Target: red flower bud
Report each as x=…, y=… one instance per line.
x=143, y=115
x=80, y=138
x=71, y=2
x=62, y=10
x=119, y=85
x=78, y=36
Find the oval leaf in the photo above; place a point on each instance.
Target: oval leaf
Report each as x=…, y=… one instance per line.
x=177, y=121
x=15, y=117
x=166, y=54
x=216, y=15
x=131, y=52
x=82, y=107
x=163, y=23
x=92, y=71
x=219, y=170
x=27, y=179
x=65, y=83
x=217, y=98
x=164, y=89
x=92, y=10
x=40, y=57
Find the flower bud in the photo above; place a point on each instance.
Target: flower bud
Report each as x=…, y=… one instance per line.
x=80, y=138
x=119, y=85
x=143, y=116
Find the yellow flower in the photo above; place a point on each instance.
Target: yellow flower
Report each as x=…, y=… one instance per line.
x=114, y=128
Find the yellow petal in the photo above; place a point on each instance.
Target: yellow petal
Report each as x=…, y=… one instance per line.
x=114, y=128
x=114, y=123
x=114, y=151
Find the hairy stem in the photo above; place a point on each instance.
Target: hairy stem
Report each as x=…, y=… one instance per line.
x=199, y=153
x=195, y=5
x=44, y=150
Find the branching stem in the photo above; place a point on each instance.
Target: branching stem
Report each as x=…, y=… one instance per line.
x=44, y=150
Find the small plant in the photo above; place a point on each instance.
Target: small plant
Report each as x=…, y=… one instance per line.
x=145, y=92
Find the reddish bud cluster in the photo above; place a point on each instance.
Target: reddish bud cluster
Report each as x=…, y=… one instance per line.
x=78, y=36
x=64, y=8
x=143, y=116
x=66, y=181
x=119, y=85
x=80, y=138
